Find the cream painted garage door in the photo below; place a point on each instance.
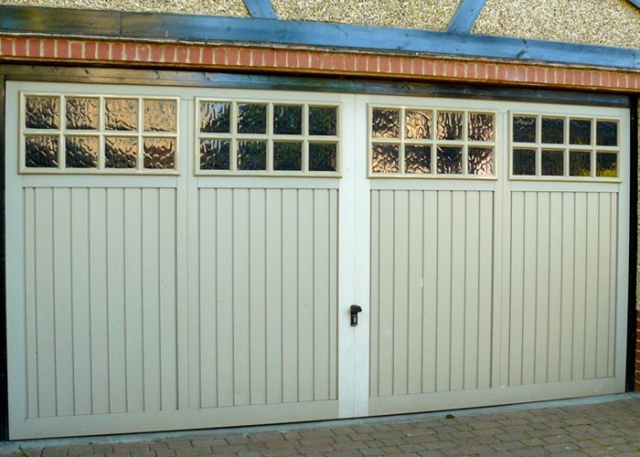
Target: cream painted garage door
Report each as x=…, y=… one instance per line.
x=498, y=252
x=178, y=262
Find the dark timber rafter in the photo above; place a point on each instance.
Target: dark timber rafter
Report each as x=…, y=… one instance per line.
x=465, y=16
x=260, y=8
x=266, y=32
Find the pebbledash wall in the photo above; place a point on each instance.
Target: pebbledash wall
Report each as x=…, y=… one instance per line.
x=613, y=23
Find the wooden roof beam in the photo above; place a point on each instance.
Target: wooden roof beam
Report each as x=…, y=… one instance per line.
x=465, y=16
x=260, y=9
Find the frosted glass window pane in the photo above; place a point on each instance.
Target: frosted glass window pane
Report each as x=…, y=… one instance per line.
x=287, y=156
x=579, y=163
x=552, y=163
x=607, y=133
x=287, y=120
x=385, y=123
x=215, y=117
x=607, y=165
x=120, y=152
x=579, y=131
x=481, y=127
x=450, y=125
x=160, y=116
x=385, y=158
x=41, y=151
x=417, y=125
x=480, y=161
x=552, y=130
x=82, y=113
x=524, y=162
x=121, y=114
x=323, y=120
x=252, y=155
x=252, y=118
x=449, y=161
x=159, y=153
x=42, y=112
x=214, y=155
x=81, y=151
x=417, y=159
x=323, y=157
x=524, y=129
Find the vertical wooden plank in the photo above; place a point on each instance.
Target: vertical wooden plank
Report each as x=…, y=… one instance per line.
x=80, y=300
x=98, y=299
x=517, y=288
x=374, y=322
x=443, y=287
x=62, y=312
x=306, y=229
x=579, y=286
x=257, y=290
x=321, y=287
x=45, y=313
x=274, y=247
x=471, y=278
x=416, y=239
x=385, y=294
x=458, y=286
x=529, y=324
x=568, y=273
x=542, y=288
x=591, y=299
x=400, y=258
x=207, y=256
x=241, y=284
x=605, y=266
x=333, y=294
x=133, y=298
x=555, y=286
x=430, y=252
x=150, y=299
x=31, y=318
x=167, y=278
x=115, y=301
x=486, y=269
x=613, y=301
x=225, y=298
x=290, y=224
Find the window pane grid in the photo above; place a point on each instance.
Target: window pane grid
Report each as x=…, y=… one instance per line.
x=85, y=139
x=577, y=138
x=428, y=142
x=283, y=137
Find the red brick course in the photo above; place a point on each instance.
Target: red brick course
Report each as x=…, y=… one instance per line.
x=302, y=61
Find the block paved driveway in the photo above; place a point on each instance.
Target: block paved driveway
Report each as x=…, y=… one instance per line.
x=603, y=426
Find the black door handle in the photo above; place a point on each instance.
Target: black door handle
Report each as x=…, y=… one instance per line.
x=355, y=309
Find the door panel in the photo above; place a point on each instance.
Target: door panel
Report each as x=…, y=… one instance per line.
x=431, y=296
x=563, y=298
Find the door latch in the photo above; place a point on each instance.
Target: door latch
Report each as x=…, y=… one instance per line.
x=355, y=309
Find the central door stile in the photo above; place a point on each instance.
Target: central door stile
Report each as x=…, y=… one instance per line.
x=353, y=346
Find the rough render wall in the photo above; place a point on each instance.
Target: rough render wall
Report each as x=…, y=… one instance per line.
x=233, y=8
x=601, y=22
x=424, y=14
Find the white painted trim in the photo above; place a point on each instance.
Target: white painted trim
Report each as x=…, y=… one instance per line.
x=176, y=420
x=15, y=274
x=347, y=295
x=494, y=396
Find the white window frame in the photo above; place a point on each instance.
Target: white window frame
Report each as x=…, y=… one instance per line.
x=62, y=132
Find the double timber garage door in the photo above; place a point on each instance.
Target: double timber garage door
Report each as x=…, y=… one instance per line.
x=190, y=261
